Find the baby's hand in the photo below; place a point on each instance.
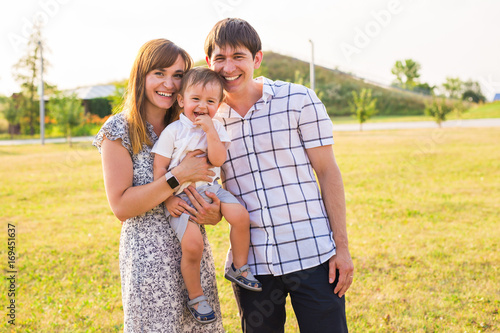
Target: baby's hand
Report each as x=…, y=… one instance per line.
x=173, y=206
x=205, y=122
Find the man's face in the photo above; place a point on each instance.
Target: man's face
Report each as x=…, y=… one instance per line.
x=235, y=65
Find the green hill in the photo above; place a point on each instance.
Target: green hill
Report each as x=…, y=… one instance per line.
x=335, y=87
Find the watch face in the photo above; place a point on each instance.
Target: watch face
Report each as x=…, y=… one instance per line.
x=172, y=182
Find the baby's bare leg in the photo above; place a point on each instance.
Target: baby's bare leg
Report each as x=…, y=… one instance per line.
x=237, y=216
x=192, y=250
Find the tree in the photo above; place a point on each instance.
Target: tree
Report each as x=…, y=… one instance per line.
x=472, y=92
x=459, y=107
x=438, y=110
x=27, y=72
x=453, y=86
x=116, y=100
x=406, y=73
x=424, y=88
x=10, y=111
x=363, y=106
x=67, y=111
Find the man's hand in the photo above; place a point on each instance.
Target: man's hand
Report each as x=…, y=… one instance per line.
x=343, y=263
x=203, y=212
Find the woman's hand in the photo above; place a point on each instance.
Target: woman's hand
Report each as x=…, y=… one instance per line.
x=193, y=169
x=174, y=207
x=203, y=212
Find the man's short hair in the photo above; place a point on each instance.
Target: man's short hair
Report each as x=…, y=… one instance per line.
x=233, y=32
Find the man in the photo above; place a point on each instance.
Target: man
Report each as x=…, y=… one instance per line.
x=280, y=133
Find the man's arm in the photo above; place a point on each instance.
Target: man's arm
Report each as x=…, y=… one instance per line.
x=332, y=191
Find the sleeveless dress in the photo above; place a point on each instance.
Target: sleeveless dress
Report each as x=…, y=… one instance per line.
x=153, y=292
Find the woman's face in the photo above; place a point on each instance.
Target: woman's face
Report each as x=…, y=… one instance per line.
x=162, y=85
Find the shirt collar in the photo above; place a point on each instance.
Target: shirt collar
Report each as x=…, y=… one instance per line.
x=267, y=89
x=268, y=92
x=185, y=120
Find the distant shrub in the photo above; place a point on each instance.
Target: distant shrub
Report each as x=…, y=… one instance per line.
x=99, y=106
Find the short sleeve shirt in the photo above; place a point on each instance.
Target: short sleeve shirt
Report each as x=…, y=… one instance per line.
x=268, y=169
x=182, y=137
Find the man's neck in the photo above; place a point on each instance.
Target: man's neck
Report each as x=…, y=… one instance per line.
x=241, y=102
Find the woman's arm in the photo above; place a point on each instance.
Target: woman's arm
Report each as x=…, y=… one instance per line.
x=126, y=200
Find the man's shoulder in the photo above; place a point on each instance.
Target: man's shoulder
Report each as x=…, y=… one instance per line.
x=283, y=88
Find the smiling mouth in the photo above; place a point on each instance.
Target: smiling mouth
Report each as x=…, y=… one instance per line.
x=197, y=114
x=231, y=78
x=164, y=94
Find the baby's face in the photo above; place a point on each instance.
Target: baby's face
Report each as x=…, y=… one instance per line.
x=199, y=100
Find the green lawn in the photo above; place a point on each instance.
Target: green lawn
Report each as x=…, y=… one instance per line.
x=490, y=110
x=423, y=212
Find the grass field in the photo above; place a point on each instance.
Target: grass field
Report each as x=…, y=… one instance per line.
x=423, y=222
x=490, y=110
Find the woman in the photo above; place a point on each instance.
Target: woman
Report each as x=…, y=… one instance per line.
x=153, y=292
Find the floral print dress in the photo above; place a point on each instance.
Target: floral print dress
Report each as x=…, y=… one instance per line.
x=153, y=292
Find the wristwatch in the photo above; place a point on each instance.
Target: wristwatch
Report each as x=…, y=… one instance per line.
x=171, y=180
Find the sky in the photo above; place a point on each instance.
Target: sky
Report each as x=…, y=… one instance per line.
x=95, y=42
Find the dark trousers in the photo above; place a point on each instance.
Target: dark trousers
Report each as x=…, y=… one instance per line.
x=315, y=305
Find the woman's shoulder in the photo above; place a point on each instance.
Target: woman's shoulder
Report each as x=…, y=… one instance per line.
x=117, y=121
x=116, y=127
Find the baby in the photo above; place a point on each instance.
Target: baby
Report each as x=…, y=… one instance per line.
x=200, y=95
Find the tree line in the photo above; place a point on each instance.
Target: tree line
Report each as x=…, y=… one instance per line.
x=65, y=112
x=345, y=94
x=342, y=93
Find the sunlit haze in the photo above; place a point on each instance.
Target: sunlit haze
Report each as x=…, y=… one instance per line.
x=95, y=42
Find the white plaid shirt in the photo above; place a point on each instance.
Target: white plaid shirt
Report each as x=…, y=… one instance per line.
x=269, y=172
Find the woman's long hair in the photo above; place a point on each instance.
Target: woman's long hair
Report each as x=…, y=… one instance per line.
x=155, y=54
